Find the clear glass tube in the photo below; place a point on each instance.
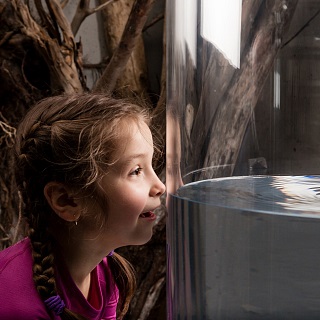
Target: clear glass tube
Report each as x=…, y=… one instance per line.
x=243, y=150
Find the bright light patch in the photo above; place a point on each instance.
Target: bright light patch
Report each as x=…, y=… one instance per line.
x=221, y=25
x=276, y=85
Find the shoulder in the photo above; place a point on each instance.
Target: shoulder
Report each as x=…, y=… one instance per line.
x=18, y=296
x=16, y=257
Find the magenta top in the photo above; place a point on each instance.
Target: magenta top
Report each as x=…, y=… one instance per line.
x=19, y=298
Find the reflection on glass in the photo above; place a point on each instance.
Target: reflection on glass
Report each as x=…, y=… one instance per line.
x=221, y=25
x=243, y=154
x=246, y=248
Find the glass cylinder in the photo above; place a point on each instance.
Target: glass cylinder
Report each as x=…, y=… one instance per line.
x=243, y=152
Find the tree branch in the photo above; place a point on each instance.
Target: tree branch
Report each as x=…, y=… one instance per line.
x=50, y=24
x=158, y=18
x=301, y=29
x=130, y=36
x=64, y=3
x=83, y=11
x=240, y=96
x=159, y=112
x=62, y=58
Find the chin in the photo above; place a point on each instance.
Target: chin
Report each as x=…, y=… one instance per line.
x=144, y=240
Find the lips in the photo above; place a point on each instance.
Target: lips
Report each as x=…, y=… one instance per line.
x=148, y=214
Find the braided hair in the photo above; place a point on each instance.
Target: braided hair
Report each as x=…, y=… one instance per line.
x=69, y=139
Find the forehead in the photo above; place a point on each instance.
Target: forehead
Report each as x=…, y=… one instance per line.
x=131, y=128
x=135, y=137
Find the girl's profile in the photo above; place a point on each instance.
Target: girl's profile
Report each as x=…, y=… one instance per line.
x=84, y=171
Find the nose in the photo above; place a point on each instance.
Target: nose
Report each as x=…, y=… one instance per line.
x=158, y=188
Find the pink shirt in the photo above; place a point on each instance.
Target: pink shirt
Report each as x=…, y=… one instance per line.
x=19, y=298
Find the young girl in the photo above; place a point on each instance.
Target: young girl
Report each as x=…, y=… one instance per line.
x=84, y=169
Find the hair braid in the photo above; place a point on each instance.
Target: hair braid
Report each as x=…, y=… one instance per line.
x=41, y=241
x=43, y=260
x=43, y=266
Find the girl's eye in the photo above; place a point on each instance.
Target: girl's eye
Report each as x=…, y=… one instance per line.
x=136, y=172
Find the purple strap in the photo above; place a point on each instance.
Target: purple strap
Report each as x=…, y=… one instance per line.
x=110, y=253
x=55, y=304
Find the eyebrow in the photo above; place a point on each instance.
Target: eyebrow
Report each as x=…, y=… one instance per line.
x=134, y=156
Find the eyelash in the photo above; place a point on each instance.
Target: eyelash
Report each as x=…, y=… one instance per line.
x=136, y=171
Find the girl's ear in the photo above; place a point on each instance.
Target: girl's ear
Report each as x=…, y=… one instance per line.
x=62, y=201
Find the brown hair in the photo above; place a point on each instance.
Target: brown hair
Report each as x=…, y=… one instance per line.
x=69, y=139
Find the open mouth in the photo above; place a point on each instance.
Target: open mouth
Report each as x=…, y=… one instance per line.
x=148, y=214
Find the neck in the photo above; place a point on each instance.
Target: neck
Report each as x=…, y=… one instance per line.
x=84, y=285
x=80, y=255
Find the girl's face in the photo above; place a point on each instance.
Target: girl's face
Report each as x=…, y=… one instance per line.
x=132, y=189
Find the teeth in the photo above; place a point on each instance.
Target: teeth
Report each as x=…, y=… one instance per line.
x=145, y=214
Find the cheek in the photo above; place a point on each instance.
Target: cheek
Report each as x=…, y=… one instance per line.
x=97, y=212
x=134, y=201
